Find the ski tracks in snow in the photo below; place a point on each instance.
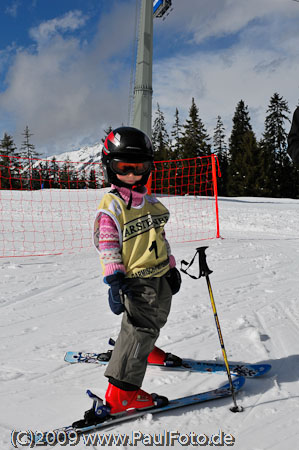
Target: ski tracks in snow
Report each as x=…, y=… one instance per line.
x=270, y=324
x=53, y=304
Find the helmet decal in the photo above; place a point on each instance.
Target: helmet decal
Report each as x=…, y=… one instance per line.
x=116, y=139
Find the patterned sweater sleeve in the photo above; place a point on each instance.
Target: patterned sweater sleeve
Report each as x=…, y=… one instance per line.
x=106, y=240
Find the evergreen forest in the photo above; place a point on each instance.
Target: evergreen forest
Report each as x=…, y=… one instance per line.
x=248, y=166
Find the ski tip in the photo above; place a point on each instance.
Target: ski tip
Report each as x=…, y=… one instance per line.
x=71, y=357
x=266, y=368
x=258, y=370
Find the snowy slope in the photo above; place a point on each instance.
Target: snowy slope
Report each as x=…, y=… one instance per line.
x=57, y=303
x=82, y=160
x=85, y=155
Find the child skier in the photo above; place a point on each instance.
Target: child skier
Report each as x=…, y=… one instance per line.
x=138, y=267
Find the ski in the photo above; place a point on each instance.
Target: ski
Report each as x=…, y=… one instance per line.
x=191, y=365
x=109, y=420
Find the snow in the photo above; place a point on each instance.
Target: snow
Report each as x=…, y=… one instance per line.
x=82, y=160
x=85, y=155
x=52, y=304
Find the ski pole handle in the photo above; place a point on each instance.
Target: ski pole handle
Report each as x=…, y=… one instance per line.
x=204, y=271
x=203, y=265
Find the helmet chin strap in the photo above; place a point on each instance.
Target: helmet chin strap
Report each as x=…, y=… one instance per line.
x=131, y=188
x=130, y=199
x=134, y=187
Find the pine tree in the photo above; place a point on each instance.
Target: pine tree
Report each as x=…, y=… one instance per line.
x=193, y=143
x=160, y=137
x=9, y=164
x=244, y=170
x=278, y=168
x=220, y=146
x=241, y=125
x=195, y=137
x=250, y=170
x=65, y=178
x=220, y=149
x=176, y=133
x=28, y=152
x=161, y=148
x=54, y=174
x=275, y=133
x=44, y=170
x=7, y=145
x=92, y=180
x=28, y=149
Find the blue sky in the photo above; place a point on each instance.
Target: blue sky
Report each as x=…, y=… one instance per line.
x=65, y=64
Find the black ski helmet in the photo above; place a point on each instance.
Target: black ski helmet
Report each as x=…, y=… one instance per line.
x=127, y=144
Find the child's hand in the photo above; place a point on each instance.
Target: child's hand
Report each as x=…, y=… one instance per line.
x=118, y=288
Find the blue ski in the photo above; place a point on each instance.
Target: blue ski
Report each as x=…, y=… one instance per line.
x=241, y=369
x=133, y=414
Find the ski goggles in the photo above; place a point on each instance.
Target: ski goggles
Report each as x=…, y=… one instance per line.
x=124, y=168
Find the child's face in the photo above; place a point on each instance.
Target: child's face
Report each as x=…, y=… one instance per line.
x=130, y=178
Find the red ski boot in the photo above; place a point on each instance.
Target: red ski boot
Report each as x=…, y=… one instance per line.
x=159, y=357
x=119, y=400
x=156, y=356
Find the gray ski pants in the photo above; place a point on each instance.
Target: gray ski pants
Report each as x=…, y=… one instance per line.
x=145, y=314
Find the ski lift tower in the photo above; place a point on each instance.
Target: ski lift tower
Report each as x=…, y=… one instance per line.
x=143, y=90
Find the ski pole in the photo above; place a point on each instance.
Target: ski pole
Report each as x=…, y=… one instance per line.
x=205, y=271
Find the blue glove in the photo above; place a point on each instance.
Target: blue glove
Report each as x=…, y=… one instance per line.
x=118, y=288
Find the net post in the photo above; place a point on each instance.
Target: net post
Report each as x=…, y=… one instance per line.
x=214, y=178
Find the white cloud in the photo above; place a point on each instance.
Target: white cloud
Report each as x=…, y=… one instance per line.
x=218, y=81
x=12, y=10
x=65, y=90
x=71, y=21
x=263, y=60
x=216, y=18
x=230, y=16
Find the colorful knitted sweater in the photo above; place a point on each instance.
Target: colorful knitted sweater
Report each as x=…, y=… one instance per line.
x=107, y=241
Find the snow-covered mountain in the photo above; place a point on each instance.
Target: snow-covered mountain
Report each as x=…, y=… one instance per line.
x=83, y=156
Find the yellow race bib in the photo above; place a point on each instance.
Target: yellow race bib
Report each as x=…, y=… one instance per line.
x=140, y=230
